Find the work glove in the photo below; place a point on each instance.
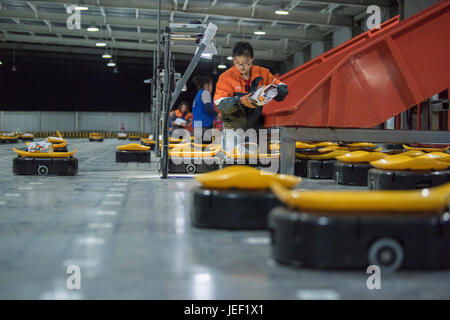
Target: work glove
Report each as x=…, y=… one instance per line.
x=282, y=92
x=246, y=101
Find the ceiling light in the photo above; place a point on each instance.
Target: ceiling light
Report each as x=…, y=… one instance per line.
x=81, y=6
x=1, y=63
x=14, y=69
x=100, y=44
x=222, y=66
x=282, y=12
x=259, y=32
x=93, y=29
x=209, y=51
x=229, y=58
x=111, y=64
x=107, y=55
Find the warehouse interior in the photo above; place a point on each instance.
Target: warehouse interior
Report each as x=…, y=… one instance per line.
x=131, y=229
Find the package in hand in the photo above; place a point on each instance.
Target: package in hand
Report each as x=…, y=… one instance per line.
x=180, y=122
x=264, y=94
x=40, y=146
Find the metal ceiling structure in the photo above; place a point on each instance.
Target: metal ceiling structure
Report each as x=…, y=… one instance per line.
x=130, y=27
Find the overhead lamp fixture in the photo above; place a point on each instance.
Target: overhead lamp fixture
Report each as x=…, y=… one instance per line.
x=282, y=11
x=14, y=69
x=111, y=63
x=209, y=51
x=107, y=55
x=229, y=58
x=222, y=66
x=260, y=32
x=100, y=44
x=93, y=28
x=81, y=6
x=1, y=63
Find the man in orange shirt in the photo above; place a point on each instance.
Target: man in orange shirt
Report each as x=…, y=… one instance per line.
x=236, y=85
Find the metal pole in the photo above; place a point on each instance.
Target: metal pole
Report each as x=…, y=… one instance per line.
x=153, y=109
x=158, y=82
x=166, y=102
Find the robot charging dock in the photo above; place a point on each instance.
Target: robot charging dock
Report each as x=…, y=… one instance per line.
x=341, y=242
x=232, y=209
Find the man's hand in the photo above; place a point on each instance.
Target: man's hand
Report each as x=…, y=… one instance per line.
x=245, y=100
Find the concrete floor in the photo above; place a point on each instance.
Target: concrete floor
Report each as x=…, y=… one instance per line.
x=129, y=232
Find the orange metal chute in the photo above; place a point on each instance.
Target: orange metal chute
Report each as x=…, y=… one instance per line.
x=371, y=77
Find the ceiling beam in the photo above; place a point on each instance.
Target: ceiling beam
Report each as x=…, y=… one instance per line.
x=352, y=3
x=260, y=13
x=139, y=36
x=233, y=29
x=81, y=51
x=117, y=44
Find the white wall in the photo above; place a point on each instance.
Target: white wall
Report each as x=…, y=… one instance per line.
x=73, y=121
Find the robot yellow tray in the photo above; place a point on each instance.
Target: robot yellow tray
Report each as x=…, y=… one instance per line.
x=304, y=145
x=133, y=147
x=9, y=137
x=361, y=157
x=426, y=201
x=27, y=154
x=401, y=162
x=55, y=139
x=148, y=141
x=412, y=153
x=325, y=156
x=244, y=177
x=191, y=153
x=361, y=145
x=441, y=156
x=425, y=149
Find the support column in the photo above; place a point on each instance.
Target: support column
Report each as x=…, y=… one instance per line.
x=317, y=48
x=287, y=152
x=77, y=122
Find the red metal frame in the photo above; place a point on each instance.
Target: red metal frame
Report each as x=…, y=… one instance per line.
x=370, y=78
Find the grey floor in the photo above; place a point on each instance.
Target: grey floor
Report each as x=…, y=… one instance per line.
x=130, y=234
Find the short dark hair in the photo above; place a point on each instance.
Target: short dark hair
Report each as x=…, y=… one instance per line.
x=242, y=48
x=200, y=81
x=184, y=103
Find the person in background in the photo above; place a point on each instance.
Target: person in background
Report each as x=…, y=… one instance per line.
x=181, y=118
x=203, y=108
x=233, y=91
